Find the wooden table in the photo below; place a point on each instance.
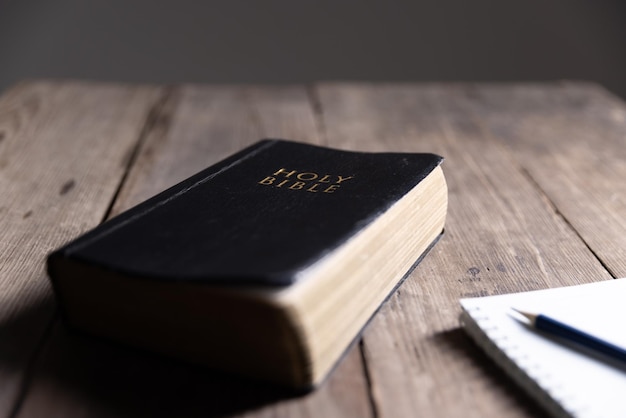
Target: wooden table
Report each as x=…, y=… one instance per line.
x=537, y=184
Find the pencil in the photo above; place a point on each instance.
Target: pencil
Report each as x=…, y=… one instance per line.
x=559, y=329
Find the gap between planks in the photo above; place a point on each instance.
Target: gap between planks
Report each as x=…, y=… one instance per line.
x=158, y=117
x=154, y=118
x=559, y=214
x=550, y=203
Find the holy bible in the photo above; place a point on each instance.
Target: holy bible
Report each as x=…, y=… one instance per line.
x=267, y=264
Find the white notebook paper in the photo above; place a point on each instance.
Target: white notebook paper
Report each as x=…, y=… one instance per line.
x=567, y=381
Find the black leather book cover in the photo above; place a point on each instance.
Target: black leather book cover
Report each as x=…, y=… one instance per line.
x=258, y=217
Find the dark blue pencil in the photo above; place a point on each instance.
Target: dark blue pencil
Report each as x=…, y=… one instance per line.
x=559, y=329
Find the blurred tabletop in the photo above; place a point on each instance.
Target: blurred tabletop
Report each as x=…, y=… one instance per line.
x=536, y=176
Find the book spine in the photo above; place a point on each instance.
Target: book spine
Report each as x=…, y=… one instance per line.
x=164, y=197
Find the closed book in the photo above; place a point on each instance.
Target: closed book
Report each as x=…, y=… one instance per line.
x=267, y=264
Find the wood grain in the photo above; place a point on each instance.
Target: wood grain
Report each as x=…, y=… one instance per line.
x=63, y=150
x=196, y=127
x=202, y=125
x=571, y=139
x=536, y=200
x=502, y=235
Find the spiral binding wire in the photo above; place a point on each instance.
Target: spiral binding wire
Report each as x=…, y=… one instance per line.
x=518, y=365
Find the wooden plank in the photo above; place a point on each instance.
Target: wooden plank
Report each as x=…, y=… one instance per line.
x=571, y=139
x=203, y=125
x=63, y=152
x=79, y=377
x=502, y=235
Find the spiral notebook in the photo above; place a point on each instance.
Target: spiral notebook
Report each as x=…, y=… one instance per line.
x=566, y=380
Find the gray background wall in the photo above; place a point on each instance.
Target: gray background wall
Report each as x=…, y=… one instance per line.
x=282, y=41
